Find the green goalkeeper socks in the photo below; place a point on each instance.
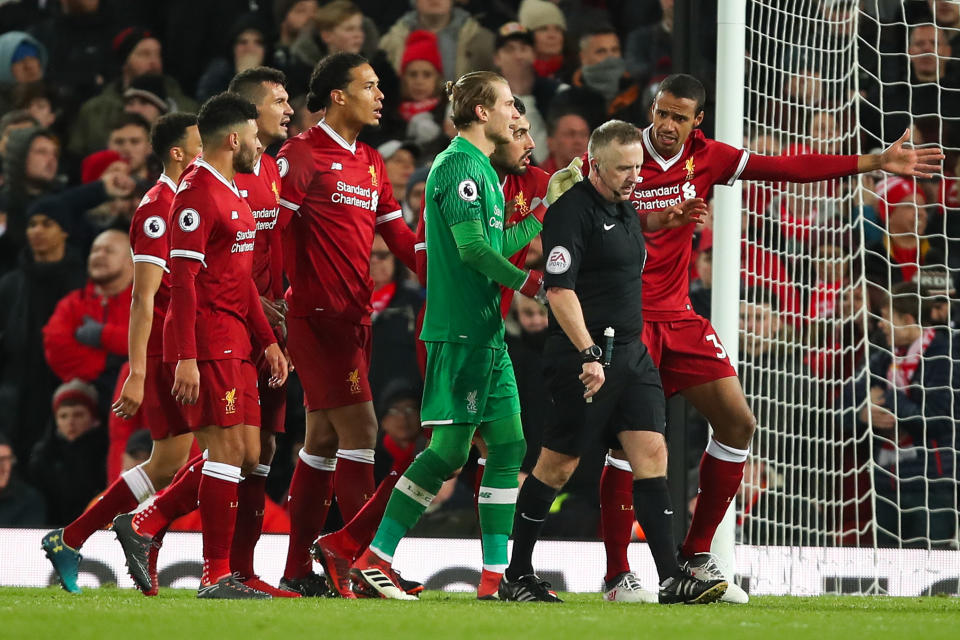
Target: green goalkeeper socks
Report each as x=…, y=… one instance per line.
x=418, y=486
x=498, y=491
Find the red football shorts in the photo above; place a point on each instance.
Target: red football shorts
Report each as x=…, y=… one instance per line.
x=687, y=352
x=273, y=402
x=228, y=395
x=332, y=358
x=161, y=412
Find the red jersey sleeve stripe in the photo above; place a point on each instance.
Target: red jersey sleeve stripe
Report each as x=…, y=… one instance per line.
x=160, y=262
x=740, y=167
x=420, y=246
x=387, y=217
x=186, y=253
x=289, y=205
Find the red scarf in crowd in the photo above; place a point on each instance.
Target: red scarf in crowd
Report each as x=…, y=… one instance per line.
x=904, y=366
x=410, y=108
x=381, y=297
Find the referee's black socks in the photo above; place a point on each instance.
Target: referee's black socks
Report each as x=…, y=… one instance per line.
x=654, y=512
x=533, y=505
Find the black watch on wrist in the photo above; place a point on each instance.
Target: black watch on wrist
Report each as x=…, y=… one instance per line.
x=593, y=353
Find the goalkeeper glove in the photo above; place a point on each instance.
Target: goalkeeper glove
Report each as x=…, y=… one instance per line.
x=563, y=179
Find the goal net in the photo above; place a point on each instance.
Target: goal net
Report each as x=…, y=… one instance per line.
x=848, y=355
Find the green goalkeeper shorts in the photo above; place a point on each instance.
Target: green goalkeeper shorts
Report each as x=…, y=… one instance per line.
x=467, y=384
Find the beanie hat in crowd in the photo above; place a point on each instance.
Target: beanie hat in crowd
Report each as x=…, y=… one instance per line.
x=14, y=47
x=94, y=165
x=76, y=392
x=422, y=45
x=54, y=208
x=127, y=40
x=894, y=190
x=513, y=31
x=540, y=13
x=150, y=87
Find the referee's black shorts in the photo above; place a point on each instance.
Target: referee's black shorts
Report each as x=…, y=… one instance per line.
x=631, y=399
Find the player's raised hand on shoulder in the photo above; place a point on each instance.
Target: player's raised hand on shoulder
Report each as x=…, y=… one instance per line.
x=917, y=163
x=131, y=397
x=186, y=382
x=689, y=211
x=278, y=365
x=563, y=179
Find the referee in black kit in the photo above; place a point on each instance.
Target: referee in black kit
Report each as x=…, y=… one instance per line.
x=595, y=255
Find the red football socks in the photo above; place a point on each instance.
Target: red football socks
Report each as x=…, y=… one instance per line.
x=719, y=483
x=616, y=517
x=309, y=499
x=117, y=499
x=353, y=480
x=178, y=499
x=218, y=517
x=251, y=498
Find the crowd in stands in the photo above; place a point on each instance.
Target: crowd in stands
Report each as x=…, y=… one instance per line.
x=81, y=82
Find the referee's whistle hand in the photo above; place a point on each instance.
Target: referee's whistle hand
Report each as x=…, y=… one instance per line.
x=592, y=378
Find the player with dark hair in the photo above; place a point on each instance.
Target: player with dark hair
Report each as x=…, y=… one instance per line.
x=212, y=311
x=334, y=197
x=525, y=192
x=176, y=140
x=681, y=163
x=265, y=88
x=469, y=383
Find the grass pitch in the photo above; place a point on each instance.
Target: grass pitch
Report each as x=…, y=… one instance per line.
x=176, y=614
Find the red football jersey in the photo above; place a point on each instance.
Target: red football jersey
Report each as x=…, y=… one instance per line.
x=261, y=190
x=150, y=242
x=523, y=196
x=692, y=173
x=211, y=223
x=332, y=197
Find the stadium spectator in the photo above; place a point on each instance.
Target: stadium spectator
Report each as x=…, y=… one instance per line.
x=396, y=302
x=340, y=27
x=247, y=50
x=290, y=18
x=86, y=336
x=39, y=101
x=526, y=351
x=303, y=118
x=401, y=437
x=413, y=196
x=928, y=95
x=514, y=59
x=400, y=159
x=21, y=505
x=947, y=16
x=139, y=52
x=137, y=450
x=129, y=135
x=422, y=102
x=9, y=122
x=30, y=170
x=912, y=412
x=567, y=137
x=602, y=78
x=147, y=96
x=545, y=20
x=78, y=38
x=464, y=45
x=69, y=464
x=701, y=287
x=22, y=61
x=650, y=47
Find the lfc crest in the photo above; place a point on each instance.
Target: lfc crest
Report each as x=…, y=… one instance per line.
x=373, y=175
x=230, y=400
x=690, y=168
x=353, y=378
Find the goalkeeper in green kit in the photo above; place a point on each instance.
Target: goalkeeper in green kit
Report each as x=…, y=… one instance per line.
x=469, y=384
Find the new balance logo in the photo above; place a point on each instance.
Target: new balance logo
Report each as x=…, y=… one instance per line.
x=336, y=166
x=667, y=512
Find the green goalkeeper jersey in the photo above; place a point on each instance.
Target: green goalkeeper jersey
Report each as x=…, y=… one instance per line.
x=463, y=305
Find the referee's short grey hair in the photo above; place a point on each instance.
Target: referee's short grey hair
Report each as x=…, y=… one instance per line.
x=612, y=131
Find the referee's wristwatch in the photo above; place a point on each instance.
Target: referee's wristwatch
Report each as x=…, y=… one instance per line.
x=593, y=353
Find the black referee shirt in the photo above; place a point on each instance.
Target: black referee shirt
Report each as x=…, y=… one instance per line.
x=596, y=248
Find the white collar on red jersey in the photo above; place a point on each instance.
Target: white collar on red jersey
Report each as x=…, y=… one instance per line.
x=256, y=167
x=352, y=148
x=200, y=162
x=664, y=164
x=165, y=179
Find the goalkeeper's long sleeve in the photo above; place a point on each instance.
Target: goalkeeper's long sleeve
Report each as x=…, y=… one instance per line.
x=519, y=235
x=477, y=253
x=811, y=167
